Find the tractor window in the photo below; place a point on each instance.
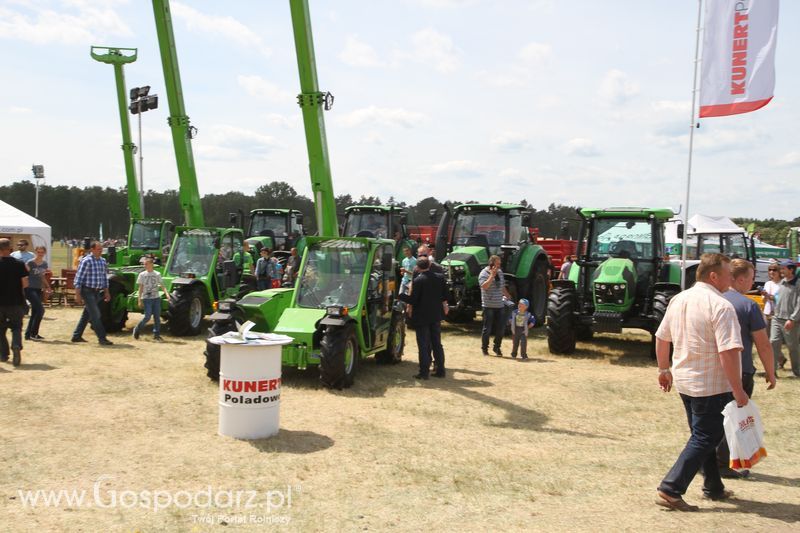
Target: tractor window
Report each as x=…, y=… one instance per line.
x=480, y=229
x=631, y=239
x=332, y=274
x=517, y=232
x=145, y=236
x=358, y=221
x=262, y=224
x=734, y=245
x=193, y=253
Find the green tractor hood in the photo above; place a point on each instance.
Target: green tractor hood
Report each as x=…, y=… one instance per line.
x=614, y=285
x=471, y=258
x=300, y=324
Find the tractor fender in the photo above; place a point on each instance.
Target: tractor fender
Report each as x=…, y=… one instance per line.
x=527, y=257
x=184, y=282
x=667, y=286
x=566, y=283
x=334, y=321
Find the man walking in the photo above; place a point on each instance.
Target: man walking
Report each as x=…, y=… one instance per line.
x=753, y=329
x=704, y=331
x=429, y=298
x=784, y=328
x=13, y=282
x=91, y=285
x=493, y=288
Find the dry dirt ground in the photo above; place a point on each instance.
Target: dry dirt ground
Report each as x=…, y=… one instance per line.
x=555, y=444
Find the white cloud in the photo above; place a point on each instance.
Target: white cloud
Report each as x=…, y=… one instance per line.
x=462, y=167
x=617, y=88
x=374, y=137
x=357, y=53
x=81, y=22
x=225, y=142
x=223, y=25
x=511, y=142
x=535, y=53
x=435, y=49
x=276, y=119
x=19, y=110
x=380, y=116
x=581, y=147
x=510, y=173
x=790, y=159
x=672, y=106
x=257, y=86
x=447, y=4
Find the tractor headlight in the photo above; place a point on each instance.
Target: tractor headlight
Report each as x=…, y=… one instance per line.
x=225, y=306
x=336, y=310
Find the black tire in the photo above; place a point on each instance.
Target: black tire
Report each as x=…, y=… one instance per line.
x=393, y=353
x=660, y=302
x=537, y=295
x=460, y=317
x=561, y=327
x=114, y=313
x=335, y=371
x=186, y=311
x=213, y=351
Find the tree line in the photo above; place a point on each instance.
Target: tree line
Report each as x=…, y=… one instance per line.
x=77, y=212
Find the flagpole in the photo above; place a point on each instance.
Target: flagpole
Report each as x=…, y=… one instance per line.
x=692, y=124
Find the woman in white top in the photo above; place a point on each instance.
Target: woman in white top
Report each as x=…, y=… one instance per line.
x=770, y=288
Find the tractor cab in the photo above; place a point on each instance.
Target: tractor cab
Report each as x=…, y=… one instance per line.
x=621, y=279
x=379, y=222
x=276, y=229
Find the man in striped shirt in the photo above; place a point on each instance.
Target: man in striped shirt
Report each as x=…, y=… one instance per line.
x=493, y=289
x=706, y=367
x=91, y=285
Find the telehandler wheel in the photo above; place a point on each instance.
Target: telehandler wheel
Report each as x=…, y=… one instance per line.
x=561, y=327
x=213, y=351
x=397, y=340
x=338, y=357
x=114, y=313
x=186, y=312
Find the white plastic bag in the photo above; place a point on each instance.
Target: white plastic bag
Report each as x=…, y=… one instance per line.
x=744, y=433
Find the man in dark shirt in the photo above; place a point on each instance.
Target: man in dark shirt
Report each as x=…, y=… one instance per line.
x=13, y=281
x=428, y=297
x=754, y=329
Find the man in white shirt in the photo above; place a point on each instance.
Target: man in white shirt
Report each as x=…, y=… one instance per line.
x=706, y=368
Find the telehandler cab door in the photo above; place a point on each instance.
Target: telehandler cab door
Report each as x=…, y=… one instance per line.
x=380, y=295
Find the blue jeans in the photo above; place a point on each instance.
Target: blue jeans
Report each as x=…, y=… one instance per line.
x=152, y=307
x=429, y=339
x=34, y=296
x=263, y=284
x=493, y=323
x=91, y=312
x=11, y=318
x=704, y=415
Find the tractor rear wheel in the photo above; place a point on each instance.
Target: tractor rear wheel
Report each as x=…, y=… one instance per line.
x=460, y=317
x=213, y=351
x=660, y=302
x=561, y=327
x=538, y=292
x=114, y=313
x=397, y=340
x=186, y=311
x=338, y=360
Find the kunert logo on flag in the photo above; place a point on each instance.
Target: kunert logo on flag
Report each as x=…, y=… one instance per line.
x=738, y=66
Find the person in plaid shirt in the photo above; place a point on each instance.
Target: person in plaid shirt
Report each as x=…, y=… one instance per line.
x=91, y=284
x=703, y=328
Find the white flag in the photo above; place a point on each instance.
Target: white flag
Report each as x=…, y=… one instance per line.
x=738, y=67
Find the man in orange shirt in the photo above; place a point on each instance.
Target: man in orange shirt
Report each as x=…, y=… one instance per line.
x=706, y=368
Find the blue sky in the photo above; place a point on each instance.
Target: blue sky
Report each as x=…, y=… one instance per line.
x=575, y=102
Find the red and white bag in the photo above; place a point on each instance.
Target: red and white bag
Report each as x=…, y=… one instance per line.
x=744, y=433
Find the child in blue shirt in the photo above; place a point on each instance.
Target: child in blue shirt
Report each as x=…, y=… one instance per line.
x=407, y=269
x=521, y=320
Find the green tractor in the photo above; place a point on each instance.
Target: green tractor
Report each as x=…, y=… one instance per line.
x=471, y=233
x=621, y=278
x=280, y=230
x=342, y=310
x=204, y=266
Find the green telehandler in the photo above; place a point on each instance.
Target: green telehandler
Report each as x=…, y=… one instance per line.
x=146, y=236
x=379, y=221
x=621, y=278
x=343, y=307
x=469, y=234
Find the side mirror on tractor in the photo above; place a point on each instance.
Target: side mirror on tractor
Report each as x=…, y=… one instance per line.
x=433, y=214
x=526, y=220
x=403, y=218
x=233, y=218
x=387, y=262
x=299, y=219
x=680, y=231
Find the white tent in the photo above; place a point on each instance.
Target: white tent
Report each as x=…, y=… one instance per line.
x=16, y=224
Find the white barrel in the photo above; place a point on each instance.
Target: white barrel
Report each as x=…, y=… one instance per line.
x=249, y=390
